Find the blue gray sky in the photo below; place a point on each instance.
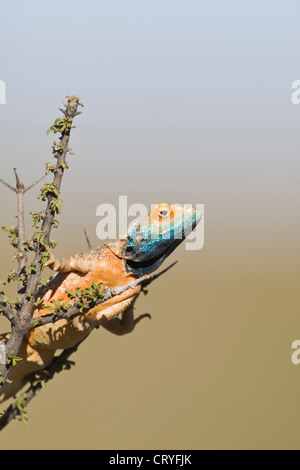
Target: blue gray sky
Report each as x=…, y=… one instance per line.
x=184, y=101
x=196, y=93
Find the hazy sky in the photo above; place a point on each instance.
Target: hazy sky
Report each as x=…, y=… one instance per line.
x=185, y=101
x=177, y=93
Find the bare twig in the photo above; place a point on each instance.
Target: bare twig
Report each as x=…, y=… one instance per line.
x=34, y=184
x=23, y=317
x=8, y=185
x=22, y=259
x=87, y=239
x=20, y=190
x=7, y=310
x=26, y=189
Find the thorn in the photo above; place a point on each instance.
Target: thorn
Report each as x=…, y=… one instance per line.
x=87, y=240
x=34, y=184
x=19, y=184
x=8, y=185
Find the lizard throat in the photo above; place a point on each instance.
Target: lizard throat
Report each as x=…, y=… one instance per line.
x=140, y=268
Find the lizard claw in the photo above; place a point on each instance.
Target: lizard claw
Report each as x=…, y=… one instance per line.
x=52, y=262
x=140, y=317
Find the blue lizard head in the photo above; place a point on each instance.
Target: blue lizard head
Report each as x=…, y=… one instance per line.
x=152, y=239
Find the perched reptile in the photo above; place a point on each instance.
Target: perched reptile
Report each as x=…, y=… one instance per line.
x=140, y=252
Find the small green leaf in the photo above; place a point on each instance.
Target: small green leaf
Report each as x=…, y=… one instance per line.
x=13, y=360
x=71, y=294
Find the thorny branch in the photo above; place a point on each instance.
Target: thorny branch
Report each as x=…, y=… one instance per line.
x=61, y=362
x=87, y=239
x=30, y=286
x=20, y=190
x=20, y=312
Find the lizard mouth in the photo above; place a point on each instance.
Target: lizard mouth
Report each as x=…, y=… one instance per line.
x=141, y=268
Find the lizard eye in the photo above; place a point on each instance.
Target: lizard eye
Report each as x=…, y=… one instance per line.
x=163, y=212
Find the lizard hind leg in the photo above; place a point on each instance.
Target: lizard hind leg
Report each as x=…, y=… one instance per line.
x=33, y=360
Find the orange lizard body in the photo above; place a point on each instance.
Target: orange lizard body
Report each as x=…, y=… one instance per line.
x=113, y=265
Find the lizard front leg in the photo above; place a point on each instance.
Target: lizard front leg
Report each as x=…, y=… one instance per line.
x=116, y=314
x=78, y=263
x=125, y=324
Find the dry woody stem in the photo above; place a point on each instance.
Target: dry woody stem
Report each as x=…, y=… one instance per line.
x=20, y=313
x=28, y=275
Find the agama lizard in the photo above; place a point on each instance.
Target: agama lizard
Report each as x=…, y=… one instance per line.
x=140, y=252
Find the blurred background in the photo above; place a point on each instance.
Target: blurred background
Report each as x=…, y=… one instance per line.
x=184, y=102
